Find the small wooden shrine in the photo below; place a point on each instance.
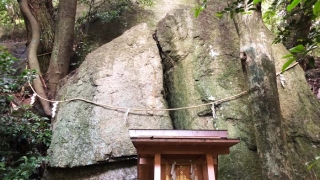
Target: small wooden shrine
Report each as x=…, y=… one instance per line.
x=179, y=154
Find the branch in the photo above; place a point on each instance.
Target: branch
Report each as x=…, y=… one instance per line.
x=32, y=53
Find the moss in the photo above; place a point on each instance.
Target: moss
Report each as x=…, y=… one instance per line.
x=239, y=165
x=180, y=96
x=226, y=78
x=306, y=150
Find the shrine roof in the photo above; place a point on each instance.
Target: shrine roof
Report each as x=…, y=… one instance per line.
x=174, y=134
x=191, y=141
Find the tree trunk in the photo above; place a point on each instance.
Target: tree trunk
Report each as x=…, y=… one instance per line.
x=42, y=11
x=32, y=54
x=64, y=36
x=260, y=73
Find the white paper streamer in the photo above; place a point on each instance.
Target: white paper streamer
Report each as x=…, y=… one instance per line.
x=193, y=175
x=54, y=109
x=213, y=111
x=282, y=80
x=33, y=99
x=211, y=98
x=173, y=172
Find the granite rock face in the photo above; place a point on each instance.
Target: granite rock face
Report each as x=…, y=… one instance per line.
x=125, y=73
x=125, y=170
x=199, y=64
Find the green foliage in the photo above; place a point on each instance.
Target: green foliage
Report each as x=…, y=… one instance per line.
x=288, y=21
x=26, y=167
x=145, y=2
x=313, y=163
x=22, y=133
x=199, y=8
x=11, y=21
x=24, y=136
x=8, y=83
x=293, y=4
x=9, y=12
x=238, y=7
x=290, y=60
x=294, y=53
x=105, y=10
x=256, y=1
x=316, y=9
x=115, y=12
x=4, y=18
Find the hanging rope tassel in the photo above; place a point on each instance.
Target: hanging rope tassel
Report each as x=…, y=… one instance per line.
x=173, y=172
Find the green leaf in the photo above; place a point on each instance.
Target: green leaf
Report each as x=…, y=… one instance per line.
x=316, y=9
x=2, y=166
x=10, y=98
x=310, y=166
x=256, y=1
x=219, y=14
x=197, y=10
x=287, y=64
x=269, y=14
x=293, y=4
x=24, y=158
x=298, y=49
x=197, y=13
x=231, y=14
x=288, y=56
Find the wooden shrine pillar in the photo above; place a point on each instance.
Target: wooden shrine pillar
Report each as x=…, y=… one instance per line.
x=210, y=165
x=157, y=167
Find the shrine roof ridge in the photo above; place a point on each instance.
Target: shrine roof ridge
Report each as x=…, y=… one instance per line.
x=173, y=133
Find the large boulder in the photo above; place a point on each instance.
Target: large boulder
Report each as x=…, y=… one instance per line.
x=101, y=32
x=125, y=170
x=201, y=64
x=125, y=73
x=200, y=59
